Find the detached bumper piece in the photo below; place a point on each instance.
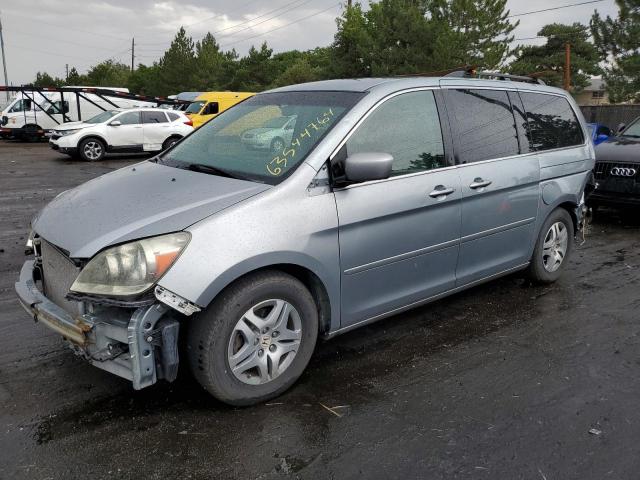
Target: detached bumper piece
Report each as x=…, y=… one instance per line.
x=140, y=344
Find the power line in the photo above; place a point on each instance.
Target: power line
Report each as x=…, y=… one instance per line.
x=243, y=22
x=263, y=21
x=282, y=26
x=554, y=8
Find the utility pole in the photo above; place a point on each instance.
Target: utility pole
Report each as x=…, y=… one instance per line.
x=348, y=3
x=567, y=66
x=4, y=61
x=133, y=52
x=66, y=68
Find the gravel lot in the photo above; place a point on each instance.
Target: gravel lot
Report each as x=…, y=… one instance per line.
x=503, y=381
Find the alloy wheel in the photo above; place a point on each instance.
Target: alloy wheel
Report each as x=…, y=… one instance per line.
x=555, y=246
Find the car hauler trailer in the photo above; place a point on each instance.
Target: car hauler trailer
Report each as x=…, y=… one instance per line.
x=36, y=110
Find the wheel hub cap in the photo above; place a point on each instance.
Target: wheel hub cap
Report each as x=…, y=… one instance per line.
x=264, y=342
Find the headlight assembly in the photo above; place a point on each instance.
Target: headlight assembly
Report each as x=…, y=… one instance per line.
x=131, y=268
x=67, y=132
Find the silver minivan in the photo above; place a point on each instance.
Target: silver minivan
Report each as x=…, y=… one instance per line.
x=389, y=193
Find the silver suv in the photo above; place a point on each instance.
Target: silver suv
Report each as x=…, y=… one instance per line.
x=388, y=194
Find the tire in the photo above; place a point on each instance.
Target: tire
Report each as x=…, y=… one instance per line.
x=277, y=146
x=31, y=134
x=169, y=142
x=224, y=335
x=546, y=265
x=91, y=149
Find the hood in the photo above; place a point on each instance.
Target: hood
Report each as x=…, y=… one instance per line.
x=619, y=149
x=139, y=201
x=72, y=125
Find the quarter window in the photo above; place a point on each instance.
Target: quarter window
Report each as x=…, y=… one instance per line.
x=483, y=124
x=129, y=118
x=154, y=117
x=407, y=127
x=173, y=116
x=552, y=122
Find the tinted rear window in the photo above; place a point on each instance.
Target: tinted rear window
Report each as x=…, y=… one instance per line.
x=173, y=116
x=552, y=122
x=153, y=117
x=483, y=124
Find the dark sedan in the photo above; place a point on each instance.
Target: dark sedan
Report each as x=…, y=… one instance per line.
x=617, y=169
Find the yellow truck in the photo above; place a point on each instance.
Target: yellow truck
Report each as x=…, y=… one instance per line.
x=209, y=104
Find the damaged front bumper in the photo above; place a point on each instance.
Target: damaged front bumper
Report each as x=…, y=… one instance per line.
x=139, y=344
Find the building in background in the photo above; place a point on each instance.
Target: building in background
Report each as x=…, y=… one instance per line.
x=593, y=94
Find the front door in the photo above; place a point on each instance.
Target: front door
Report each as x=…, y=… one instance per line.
x=500, y=182
x=128, y=135
x=399, y=237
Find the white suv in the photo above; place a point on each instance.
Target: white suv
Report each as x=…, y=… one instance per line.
x=121, y=131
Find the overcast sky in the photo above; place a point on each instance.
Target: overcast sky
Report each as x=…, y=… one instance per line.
x=44, y=35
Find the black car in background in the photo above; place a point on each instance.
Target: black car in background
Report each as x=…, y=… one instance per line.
x=617, y=169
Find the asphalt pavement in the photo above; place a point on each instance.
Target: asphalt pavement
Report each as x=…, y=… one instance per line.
x=503, y=381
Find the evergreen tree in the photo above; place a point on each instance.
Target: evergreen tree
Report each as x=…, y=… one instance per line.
x=618, y=41
x=43, y=79
x=479, y=32
x=177, y=66
x=548, y=59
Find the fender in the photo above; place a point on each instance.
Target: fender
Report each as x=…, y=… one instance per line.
x=275, y=259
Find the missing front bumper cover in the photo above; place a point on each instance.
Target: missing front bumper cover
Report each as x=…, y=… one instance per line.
x=140, y=345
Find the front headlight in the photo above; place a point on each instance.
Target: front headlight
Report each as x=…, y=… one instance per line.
x=131, y=268
x=67, y=132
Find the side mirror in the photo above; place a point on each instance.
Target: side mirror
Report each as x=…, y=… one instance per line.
x=620, y=128
x=366, y=166
x=115, y=123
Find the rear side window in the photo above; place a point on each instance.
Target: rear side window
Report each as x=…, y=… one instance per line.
x=483, y=124
x=406, y=126
x=153, y=117
x=552, y=122
x=172, y=116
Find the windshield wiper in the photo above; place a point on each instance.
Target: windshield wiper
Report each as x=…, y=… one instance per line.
x=199, y=167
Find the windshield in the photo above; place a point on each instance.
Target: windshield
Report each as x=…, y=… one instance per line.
x=632, y=130
x=195, y=107
x=102, y=117
x=224, y=144
x=276, y=122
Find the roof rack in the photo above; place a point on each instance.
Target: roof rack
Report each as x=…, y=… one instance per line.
x=472, y=72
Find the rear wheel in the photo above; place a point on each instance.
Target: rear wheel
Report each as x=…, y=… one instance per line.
x=255, y=339
x=32, y=133
x=553, y=247
x=170, y=142
x=91, y=149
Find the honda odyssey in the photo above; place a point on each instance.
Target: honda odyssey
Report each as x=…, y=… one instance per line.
x=387, y=194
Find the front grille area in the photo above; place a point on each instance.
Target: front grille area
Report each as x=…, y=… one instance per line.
x=58, y=273
x=603, y=170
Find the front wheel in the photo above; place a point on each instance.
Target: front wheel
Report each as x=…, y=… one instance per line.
x=553, y=247
x=255, y=339
x=91, y=150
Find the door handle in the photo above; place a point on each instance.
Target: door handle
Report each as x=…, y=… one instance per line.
x=441, y=191
x=479, y=183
